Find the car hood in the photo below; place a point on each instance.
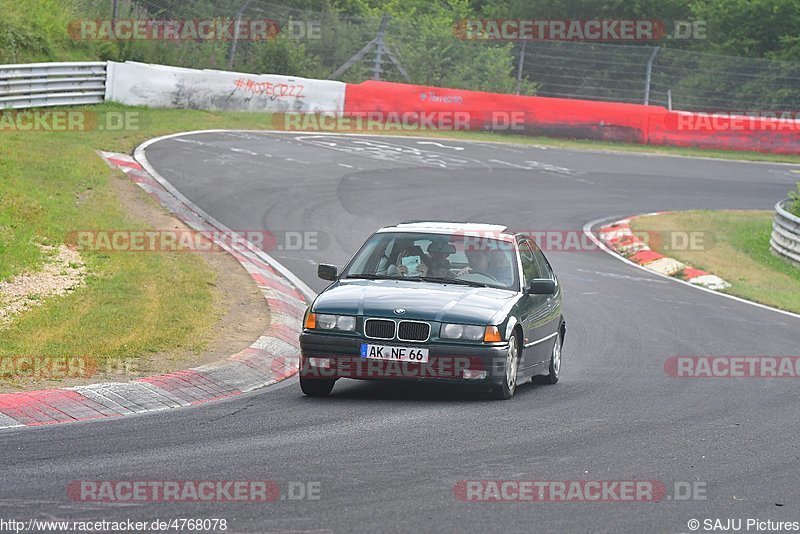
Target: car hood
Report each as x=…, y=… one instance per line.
x=421, y=300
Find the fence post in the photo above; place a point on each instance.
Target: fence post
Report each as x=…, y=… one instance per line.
x=649, y=73
x=379, y=47
x=232, y=47
x=521, y=64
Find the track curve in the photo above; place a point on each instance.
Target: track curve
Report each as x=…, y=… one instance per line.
x=387, y=457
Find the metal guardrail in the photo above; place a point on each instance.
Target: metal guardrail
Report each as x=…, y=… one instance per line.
x=785, y=239
x=52, y=84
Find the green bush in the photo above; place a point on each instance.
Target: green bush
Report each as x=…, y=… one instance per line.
x=36, y=30
x=794, y=205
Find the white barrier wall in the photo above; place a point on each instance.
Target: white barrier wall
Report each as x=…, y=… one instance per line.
x=159, y=86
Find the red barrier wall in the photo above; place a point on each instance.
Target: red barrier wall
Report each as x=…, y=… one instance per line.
x=582, y=119
x=700, y=130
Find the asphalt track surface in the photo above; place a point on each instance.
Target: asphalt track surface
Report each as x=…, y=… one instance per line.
x=387, y=457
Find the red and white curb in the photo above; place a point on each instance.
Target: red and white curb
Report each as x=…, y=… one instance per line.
x=270, y=359
x=624, y=241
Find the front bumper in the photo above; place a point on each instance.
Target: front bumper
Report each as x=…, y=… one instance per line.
x=447, y=362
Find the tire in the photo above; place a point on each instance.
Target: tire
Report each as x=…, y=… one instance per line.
x=554, y=369
x=506, y=390
x=316, y=387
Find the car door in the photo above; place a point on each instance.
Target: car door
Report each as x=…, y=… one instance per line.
x=552, y=305
x=533, y=310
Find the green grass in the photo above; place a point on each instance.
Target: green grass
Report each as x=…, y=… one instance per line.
x=134, y=304
x=36, y=30
x=794, y=205
x=736, y=249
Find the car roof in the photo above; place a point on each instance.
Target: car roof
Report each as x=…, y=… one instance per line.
x=496, y=231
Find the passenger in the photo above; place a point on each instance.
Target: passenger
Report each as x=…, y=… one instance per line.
x=411, y=262
x=388, y=259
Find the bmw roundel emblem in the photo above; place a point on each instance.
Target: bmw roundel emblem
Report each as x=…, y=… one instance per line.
x=399, y=311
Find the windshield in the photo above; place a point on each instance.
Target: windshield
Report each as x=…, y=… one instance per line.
x=454, y=258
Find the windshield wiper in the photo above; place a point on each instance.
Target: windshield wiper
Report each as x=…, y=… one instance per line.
x=367, y=276
x=446, y=280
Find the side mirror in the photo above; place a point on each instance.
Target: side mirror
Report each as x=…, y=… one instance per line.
x=542, y=286
x=327, y=272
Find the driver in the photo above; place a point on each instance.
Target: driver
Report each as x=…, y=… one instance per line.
x=478, y=260
x=439, y=250
x=493, y=263
x=501, y=267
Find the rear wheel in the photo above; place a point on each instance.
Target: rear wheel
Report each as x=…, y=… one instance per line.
x=509, y=386
x=316, y=387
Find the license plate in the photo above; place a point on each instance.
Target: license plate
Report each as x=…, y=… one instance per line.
x=399, y=354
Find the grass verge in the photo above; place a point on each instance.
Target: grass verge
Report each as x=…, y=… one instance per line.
x=134, y=305
x=736, y=248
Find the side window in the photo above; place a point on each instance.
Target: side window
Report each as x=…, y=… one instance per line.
x=544, y=267
x=530, y=268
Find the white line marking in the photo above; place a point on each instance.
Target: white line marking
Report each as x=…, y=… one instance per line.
x=243, y=151
x=622, y=276
x=553, y=168
x=434, y=143
x=525, y=167
x=503, y=144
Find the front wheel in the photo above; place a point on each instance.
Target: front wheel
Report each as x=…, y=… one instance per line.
x=509, y=386
x=316, y=387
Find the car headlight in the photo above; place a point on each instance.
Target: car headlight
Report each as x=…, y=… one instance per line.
x=327, y=321
x=346, y=322
x=462, y=331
